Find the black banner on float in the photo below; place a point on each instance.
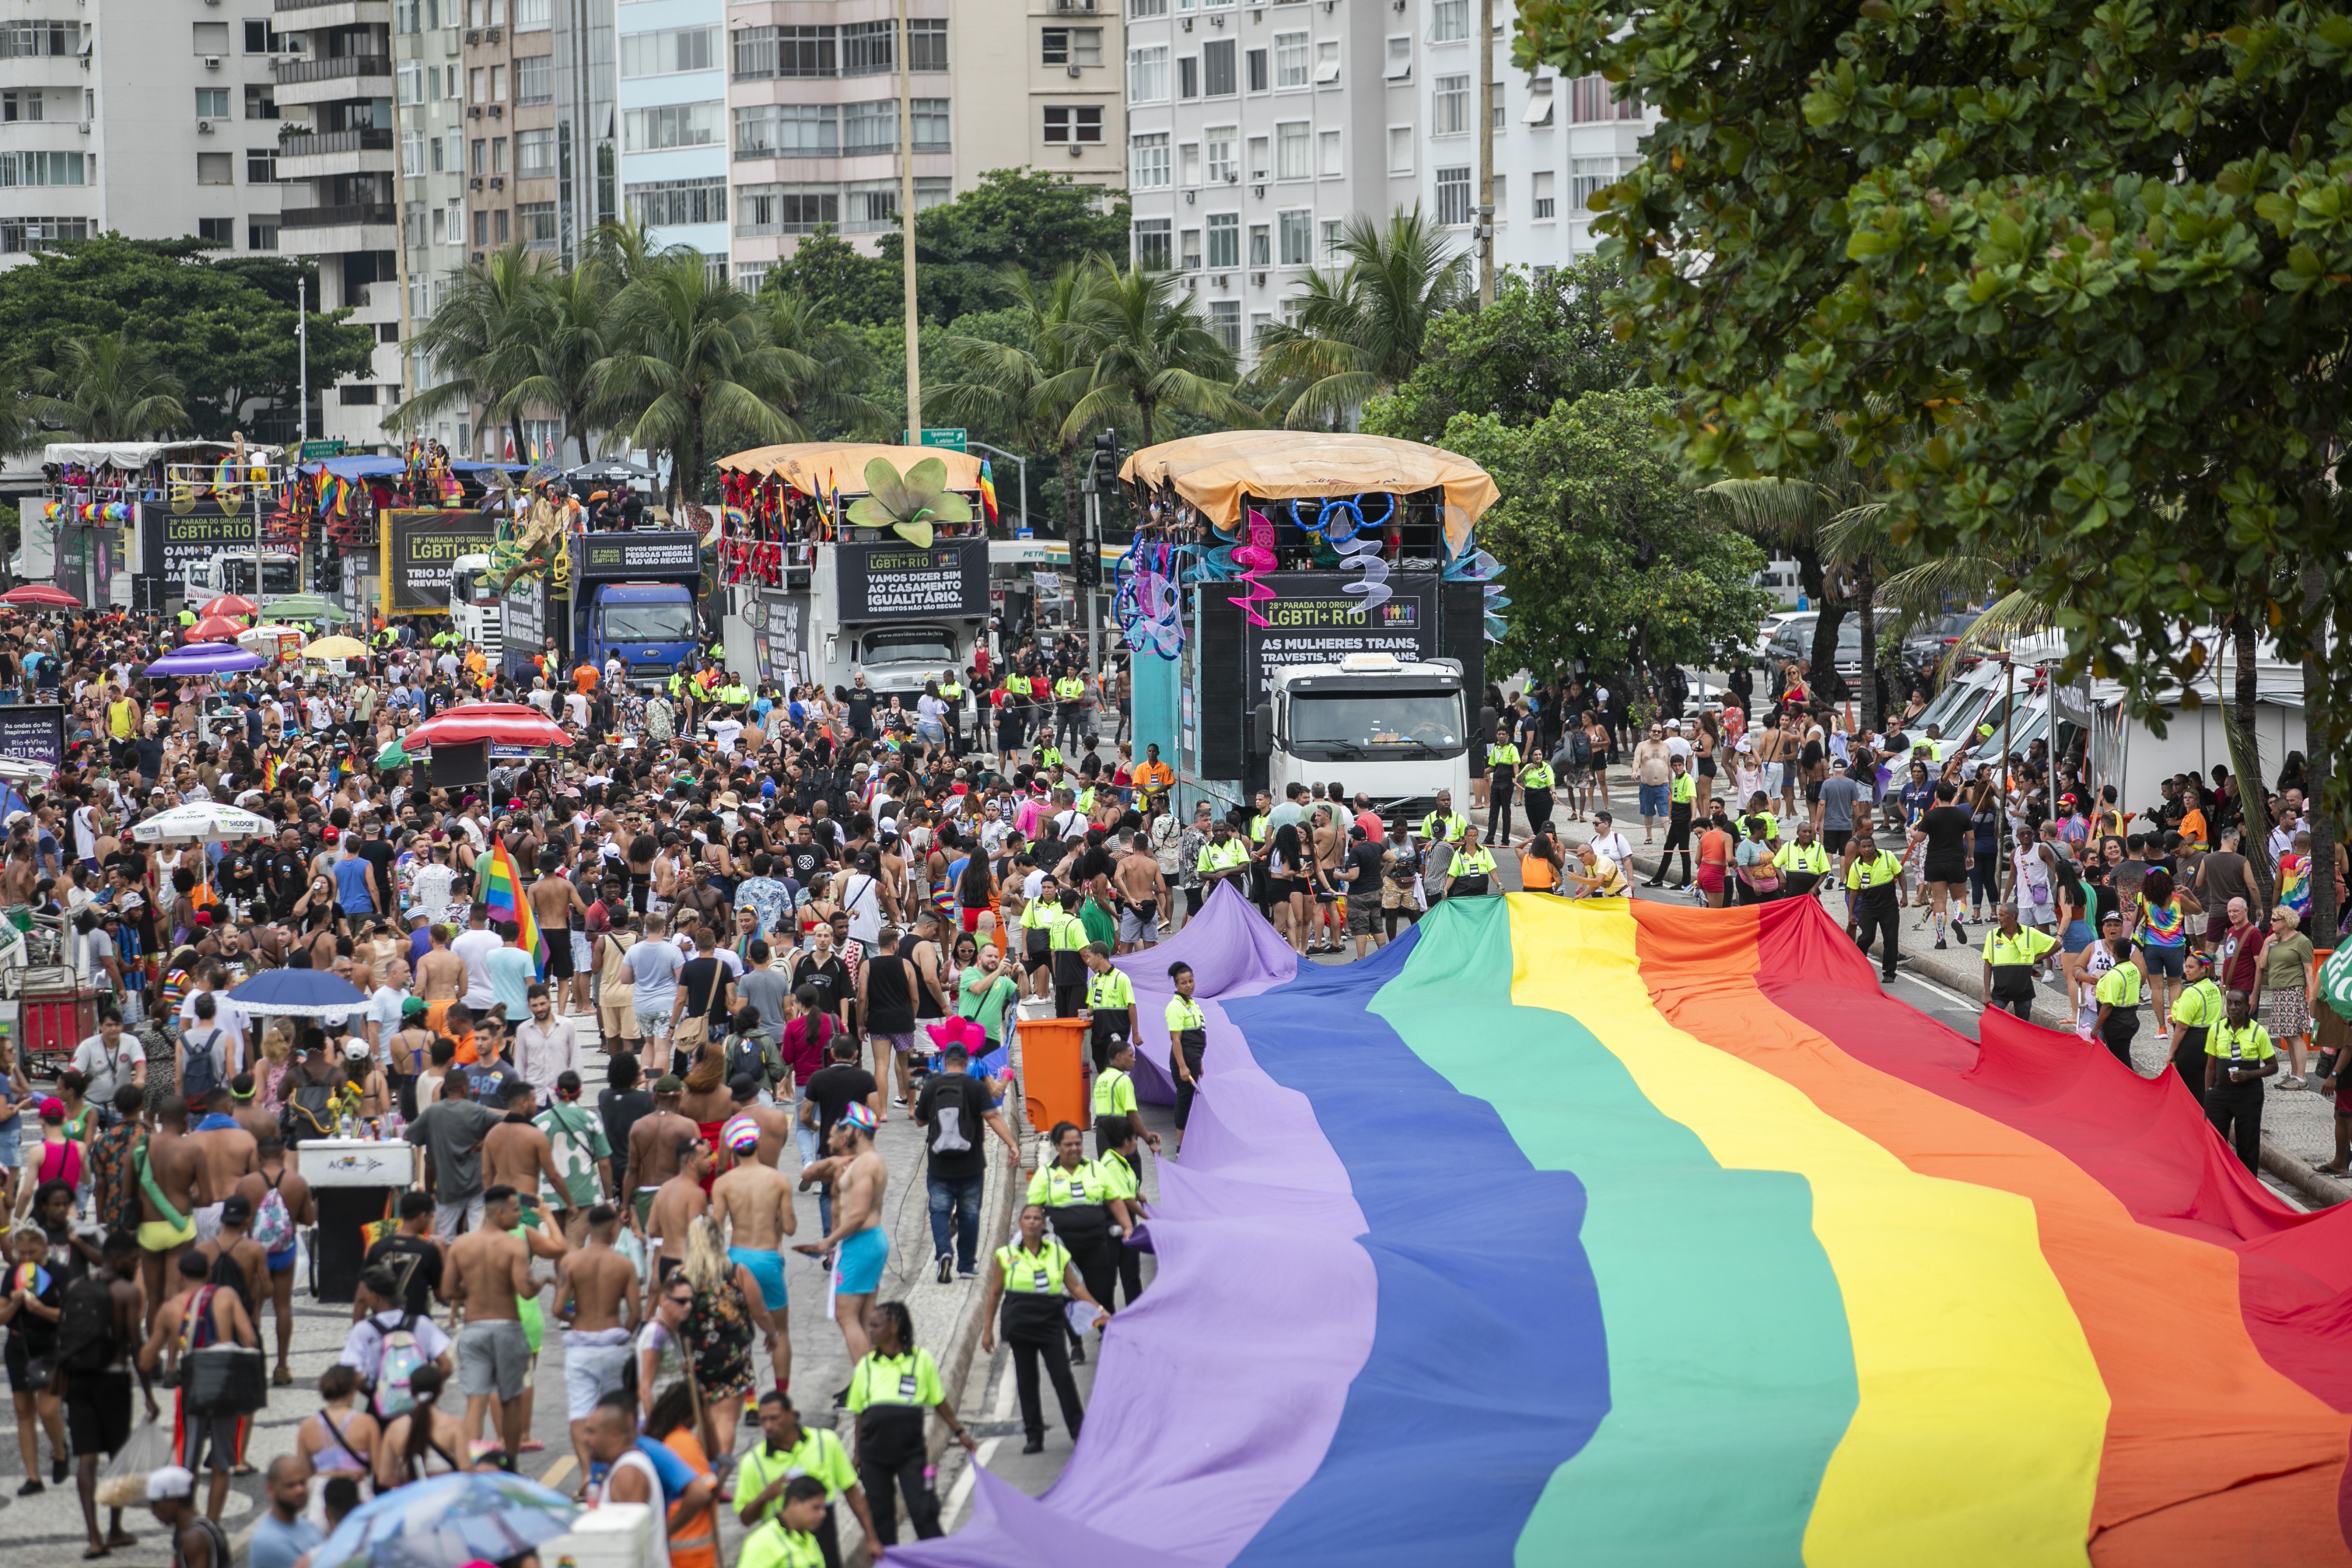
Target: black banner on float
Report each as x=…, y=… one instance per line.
x=418, y=547
x=899, y=581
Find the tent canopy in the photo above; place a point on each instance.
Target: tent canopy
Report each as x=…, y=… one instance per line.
x=820, y=468
x=139, y=454
x=1214, y=472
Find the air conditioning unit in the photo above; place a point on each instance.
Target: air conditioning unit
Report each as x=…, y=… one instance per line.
x=476, y=183
x=473, y=36
x=204, y=127
x=1188, y=24
x=83, y=128
x=498, y=112
x=1257, y=280
x=497, y=182
x=1233, y=177
x=212, y=62
x=1076, y=150
x=492, y=35
x=1071, y=69
x=1259, y=190
x=474, y=112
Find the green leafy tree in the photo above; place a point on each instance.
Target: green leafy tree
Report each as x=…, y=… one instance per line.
x=2077, y=270
x=108, y=388
x=1542, y=340
x=1361, y=331
x=1020, y=371
x=696, y=362
x=839, y=281
x=823, y=362
x=223, y=326
x=1146, y=349
x=483, y=339
x=1028, y=218
x=1610, y=558
x=567, y=330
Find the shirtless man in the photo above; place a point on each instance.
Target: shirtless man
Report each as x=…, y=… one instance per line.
x=1142, y=894
x=653, y=1145
x=596, y=1293
x=235, y=1242
x=859, y=1178
x=228, y=1150
x=202, y=1436
x=246, y=1110
x=552, y=901
x=269, y=1175
x=775, y=1123
x=679, y=1203
x=440, y=978
x=515, y=1153
x=493, y=1273
x=756, y=1201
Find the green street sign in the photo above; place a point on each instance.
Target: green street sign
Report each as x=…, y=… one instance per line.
x=950, y=436
x=312, y=450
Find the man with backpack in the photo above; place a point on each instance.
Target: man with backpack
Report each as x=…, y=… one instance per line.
x=98, y=1328
x=281, y=1204
x=391, y=1339
x=953, y=1107
x=201, y=1316
x=209, y=1052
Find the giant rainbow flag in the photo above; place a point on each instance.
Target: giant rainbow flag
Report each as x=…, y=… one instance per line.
x=1608, y=1234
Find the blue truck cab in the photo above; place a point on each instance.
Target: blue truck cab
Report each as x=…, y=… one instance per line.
x=637, y=595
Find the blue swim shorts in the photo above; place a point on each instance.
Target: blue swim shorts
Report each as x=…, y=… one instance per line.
x=768, y=1269
x=860, y=1262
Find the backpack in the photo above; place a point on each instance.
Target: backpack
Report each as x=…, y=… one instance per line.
x=86, y=1340
x=272, y=1226
x=398, y=1357
x=1580, y=748
x=310, y=1113
x=947, y=1134
x=202, y=1073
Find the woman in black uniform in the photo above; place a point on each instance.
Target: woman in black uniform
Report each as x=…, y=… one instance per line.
x=1036, y=1278
x=1188, y=1042
x=1074, y=1195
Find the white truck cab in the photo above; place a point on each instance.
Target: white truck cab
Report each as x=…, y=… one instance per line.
x=1394, y=729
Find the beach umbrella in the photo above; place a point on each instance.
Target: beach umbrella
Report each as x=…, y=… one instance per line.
x=336, y=647
x=229, y=605
x=212, y=628
x=40, y=596
x=201, y=822
x=450, y=1521
x=206, y=658
x=507, y=723
x=265, y=637
x=299, y=994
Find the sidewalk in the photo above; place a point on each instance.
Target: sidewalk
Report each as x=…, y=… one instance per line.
x=2298, y=1125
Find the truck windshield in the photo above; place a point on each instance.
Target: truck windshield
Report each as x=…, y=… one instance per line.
x=928, y=644
x=1376, y=724
x=279, y=578
x=649, y=623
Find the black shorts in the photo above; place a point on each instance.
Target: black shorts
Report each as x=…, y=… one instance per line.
x=1953, y=872
x=559, y=953
x=1834, y=840
x=208, y=1436
x=98, y=1411
x=18, y=1358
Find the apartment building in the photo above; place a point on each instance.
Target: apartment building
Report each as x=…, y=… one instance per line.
x=1067, y=55
x=673, y=121
x=113, y=118
x=1255, y=129
x=1556, y=141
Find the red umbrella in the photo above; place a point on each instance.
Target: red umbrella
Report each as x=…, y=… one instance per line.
x=40, y=596
x=212, y=628
x=230, y=604
x=508, y=723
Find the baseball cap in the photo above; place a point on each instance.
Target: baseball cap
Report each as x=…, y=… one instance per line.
x=171, y=1481
x=669, y=1083
x=410, y=1006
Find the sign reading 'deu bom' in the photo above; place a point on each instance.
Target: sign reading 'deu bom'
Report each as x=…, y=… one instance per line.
x=897, y=582
x=418, y=547
x=34, y=733
x=1313, y=619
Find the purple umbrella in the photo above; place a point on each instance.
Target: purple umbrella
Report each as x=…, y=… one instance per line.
x=206, y=658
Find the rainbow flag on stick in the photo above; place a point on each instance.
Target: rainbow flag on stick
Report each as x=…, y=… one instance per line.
x=502, y=892
x=988, y=489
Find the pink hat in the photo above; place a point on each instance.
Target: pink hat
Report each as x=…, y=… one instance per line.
x=53, y=1109
x=962, y=1032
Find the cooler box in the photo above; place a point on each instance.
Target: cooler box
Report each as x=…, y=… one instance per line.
x=356, y=1181
x=617, y=1535
x=51, y=1024
x=1054, y=1072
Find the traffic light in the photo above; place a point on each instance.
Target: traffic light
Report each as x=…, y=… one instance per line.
x=1086, y=564
x=1107, y=459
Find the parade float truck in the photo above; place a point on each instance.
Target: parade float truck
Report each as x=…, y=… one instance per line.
x=1395, y=728
x=637, y=595
x=899, y=614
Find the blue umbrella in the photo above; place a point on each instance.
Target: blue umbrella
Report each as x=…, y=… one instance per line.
x=446, y=1521
x=299, y=994
x=206, y=658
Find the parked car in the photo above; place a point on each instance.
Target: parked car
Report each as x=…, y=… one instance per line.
x=1930, y=642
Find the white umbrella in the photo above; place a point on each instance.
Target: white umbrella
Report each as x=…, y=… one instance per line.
x=264, y=638
x=201, y=822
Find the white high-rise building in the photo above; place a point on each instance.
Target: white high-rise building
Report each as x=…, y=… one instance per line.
x=155, y=125
x=673, y=127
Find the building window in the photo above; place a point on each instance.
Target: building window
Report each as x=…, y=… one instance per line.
x=663, y=202
x=211, y=169
x=20, y=234
x=357, y=395
x=1225, y=241
x=1225, y=321
x=1217, y=69
x=1449, y=21
x=260, y=102
x=933, y=124
x=1327, y=61
x=220, y=231
x=261, y=38
x=497, y=154
x=927, y=45
x=1072, y=47
x=1188, y=162
x=212, y=103
x=1295, y=229
x=481, y=224
x=1147, y=75
x=499, y=222
x=868, y=49
x=869, y=126
x=537, y=221
x=1497, y=188
x=1449, y=105
x=19, y=40
x=261, y=165
x=1540, y=103
x=412, y=155
x=1188, y=76
x=1082, y=124
x=792, y=52
x=788, y=131
x=1587, y=178
x=1326, y=163
x=481, y=156
x=534, y=154
x=1400, y=60
x=869, y=206
x=1147, y=162
x=1152, y=252
x=534, y=16
x=1217, y=144
x=1591, y=98
x=671, y=50
x=1261, y=246
x=751, y=277
x=1400, y=149
x=1543, y=196
x=1260, y=164
x=535, y=79
x=800, y=209
x=1290, y=150
x=672, y=125
x=1290, y=59
x=1146, y=7
x=408, y=83
x=1256, y=70
x=498, y=84
x=1189, y=251
x=1333, y=230
x=261, y=234
x=1453, y=194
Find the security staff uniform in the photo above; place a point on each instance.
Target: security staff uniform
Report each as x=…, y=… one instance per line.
x=1188, y=1032
x=1802, y=865
x=1472, y=873
x=2119, y=992
x=2235, y=1110
x=1502, y=769
x=1037, y=1291
x=892, y=1397
x=1036, y=923
x=1076, y=1203
x=1871, y=885
x=1535, y=791
x=1065, y=940
x=1109, y=994
x=2195, y=1012
x=2012, y=959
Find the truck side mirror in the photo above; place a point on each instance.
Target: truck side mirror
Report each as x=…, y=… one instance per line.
x=1262, y=727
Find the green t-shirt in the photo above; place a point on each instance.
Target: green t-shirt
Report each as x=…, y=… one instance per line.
x=577, y=1138
x=985, y=1003
x=2283, y=961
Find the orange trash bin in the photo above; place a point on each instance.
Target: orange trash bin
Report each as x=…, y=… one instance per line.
x=1054, y=1072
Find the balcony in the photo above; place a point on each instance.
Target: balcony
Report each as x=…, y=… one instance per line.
x=347, y=225
x=319, y=155
x=311, y=80
x=338, y=216
x=300, y=15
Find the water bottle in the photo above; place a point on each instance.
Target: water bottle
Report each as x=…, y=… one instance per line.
x=931, y=1479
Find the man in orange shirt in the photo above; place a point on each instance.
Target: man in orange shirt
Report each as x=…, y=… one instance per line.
x=586, y=678
x=1153, y=776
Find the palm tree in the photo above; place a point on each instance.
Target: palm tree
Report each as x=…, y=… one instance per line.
x=571, y=320
x=481, y=341
x=1800, y=513
x=106, y=388
x=695, y=360
x=1028, y=387
x=626, y=247
x=1146, y=349
x=824, y=358
x=1359, y=332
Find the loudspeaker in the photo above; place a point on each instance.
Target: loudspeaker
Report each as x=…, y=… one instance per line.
x=455, y=766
